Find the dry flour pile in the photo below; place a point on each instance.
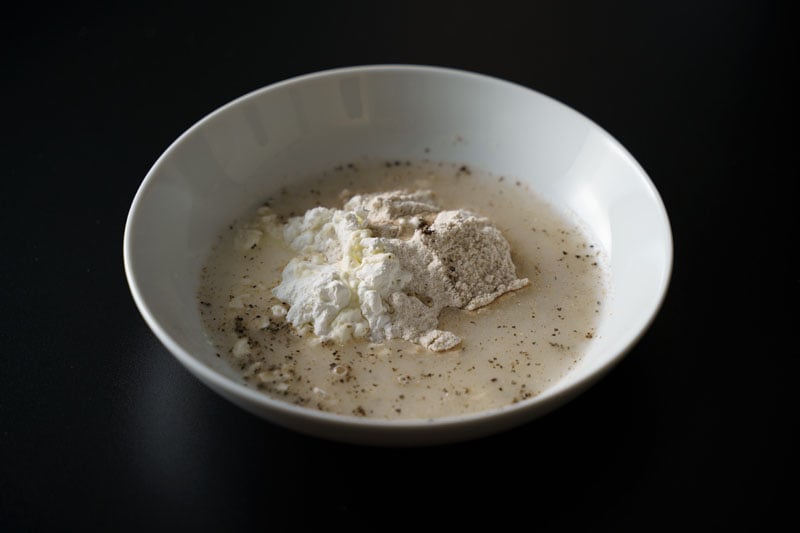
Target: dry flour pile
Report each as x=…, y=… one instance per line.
x=385, y=266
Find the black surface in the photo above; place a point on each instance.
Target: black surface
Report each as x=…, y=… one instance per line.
x=101, y=428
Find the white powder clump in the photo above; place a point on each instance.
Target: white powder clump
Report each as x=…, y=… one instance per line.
x=385, y=266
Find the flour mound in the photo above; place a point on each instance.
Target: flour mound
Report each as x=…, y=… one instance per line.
x=387, y=264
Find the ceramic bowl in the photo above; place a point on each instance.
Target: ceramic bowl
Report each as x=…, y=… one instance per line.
x=217, y=169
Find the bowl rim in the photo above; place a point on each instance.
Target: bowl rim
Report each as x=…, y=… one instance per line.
x=561, y=390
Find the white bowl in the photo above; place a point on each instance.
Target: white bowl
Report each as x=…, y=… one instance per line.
x=222, y=164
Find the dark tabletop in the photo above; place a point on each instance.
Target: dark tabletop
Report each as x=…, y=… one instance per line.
x=100, y=428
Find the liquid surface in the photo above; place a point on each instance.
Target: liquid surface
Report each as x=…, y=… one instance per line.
x=511, y=350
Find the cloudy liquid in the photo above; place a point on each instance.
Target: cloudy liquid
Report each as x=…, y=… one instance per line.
x=511, y=350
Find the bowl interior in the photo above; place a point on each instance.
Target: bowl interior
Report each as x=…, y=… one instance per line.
x=239, y=154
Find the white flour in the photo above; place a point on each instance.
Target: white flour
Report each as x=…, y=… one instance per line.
x=386, y=265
